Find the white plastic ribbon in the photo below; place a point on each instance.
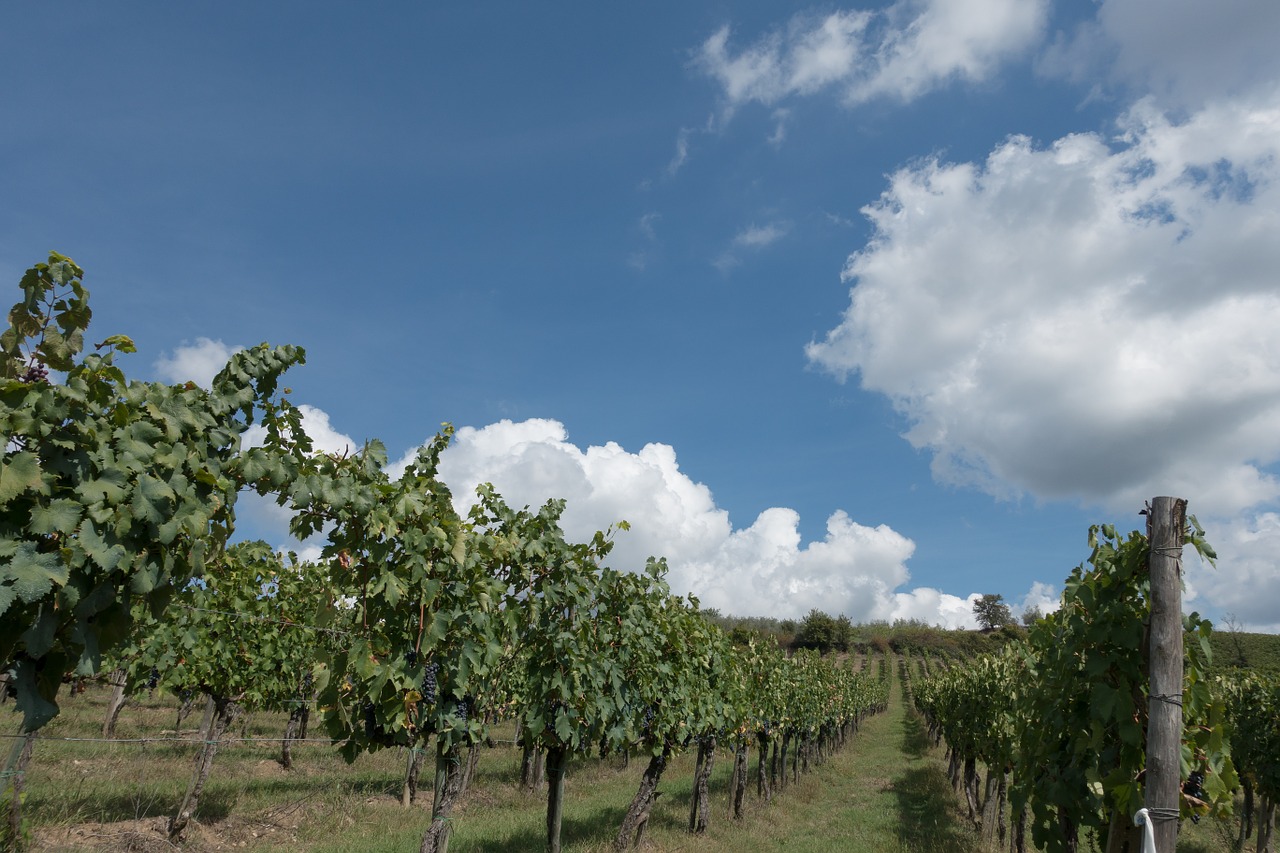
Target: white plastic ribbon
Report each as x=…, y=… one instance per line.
x=1143, y=819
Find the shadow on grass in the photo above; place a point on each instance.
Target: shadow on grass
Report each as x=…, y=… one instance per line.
x=597, y=830
x=915, y=736
x=926, y=821
x=214, y=806
x=216, y=802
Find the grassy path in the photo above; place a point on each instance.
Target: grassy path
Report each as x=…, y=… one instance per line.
x=885, y=791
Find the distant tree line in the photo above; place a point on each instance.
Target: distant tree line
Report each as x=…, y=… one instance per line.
x=829, y=634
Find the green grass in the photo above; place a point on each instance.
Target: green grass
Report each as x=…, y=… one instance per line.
x=885, y=791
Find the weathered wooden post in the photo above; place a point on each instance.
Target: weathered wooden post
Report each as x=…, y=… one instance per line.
x=1166, y=521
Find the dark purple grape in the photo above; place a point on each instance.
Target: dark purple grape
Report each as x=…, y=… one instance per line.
x=429, y=682
x=35, y=372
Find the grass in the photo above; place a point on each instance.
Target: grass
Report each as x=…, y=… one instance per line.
x=887, y=790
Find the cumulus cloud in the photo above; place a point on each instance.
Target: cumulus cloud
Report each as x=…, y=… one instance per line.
x=271, y=519
x=1042, y=597
x=532, y=461
x=1246, y=581
x=317, y=426
x=932, y=607
x=1184, y=51
x=763, y=569
x=1093, y=319
x=198, y=362
x=903, y=52
x=766, y=568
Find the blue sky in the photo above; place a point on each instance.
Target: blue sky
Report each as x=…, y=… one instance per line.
x=865, y=308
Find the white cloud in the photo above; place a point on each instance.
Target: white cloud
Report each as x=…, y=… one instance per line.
x=682, y=152
x=316, y=424
x=904, y=52
x=763, y=569
x=766, y=569
x=532, y=461
x=759, y=236
x=647, y=225
x=1042, y=596
x=933, y=607
x=1185, y=51
x=812, y=54
x=271, y=519
x=640, y=259
x=1092, y=320
x=1246, y=582
x=198, y=362
x=751, y=238
x=779, y=135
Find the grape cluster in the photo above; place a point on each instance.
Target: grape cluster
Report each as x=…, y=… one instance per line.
x=370, y=721
x=429, y=682
x=411, y=657
x=1194, y=787
x=463, y=707
x=153, y=679
x=35, y=372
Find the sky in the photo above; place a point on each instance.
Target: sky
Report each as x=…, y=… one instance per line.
x=869, y=308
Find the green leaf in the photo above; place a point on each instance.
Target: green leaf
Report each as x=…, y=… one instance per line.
x=32, y=574
x=60, y=516
x=19, y=473
x=151, y=499
x=122, y=343
x=96, y=547
x=37, y=708
x=110, y=487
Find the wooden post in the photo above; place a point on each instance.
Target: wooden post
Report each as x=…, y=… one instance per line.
x=1165, y=522
x=557, y=758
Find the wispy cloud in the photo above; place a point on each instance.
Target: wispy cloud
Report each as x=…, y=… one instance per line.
x=682, y=152
x=758, y=236
x=902, y=52
x=779, y=134
x=640, y=259
x=751, y=238
x=842, y=221
x=647, y=225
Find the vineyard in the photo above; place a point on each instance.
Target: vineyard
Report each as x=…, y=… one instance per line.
x=425, y=642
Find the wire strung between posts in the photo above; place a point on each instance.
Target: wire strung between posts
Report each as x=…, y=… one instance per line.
x=1158, y=813
x=1167, y=698
x=237, y=614
x=145, y=740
